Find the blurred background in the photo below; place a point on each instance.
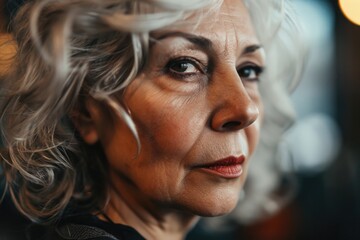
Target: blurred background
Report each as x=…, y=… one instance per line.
x=322, y=148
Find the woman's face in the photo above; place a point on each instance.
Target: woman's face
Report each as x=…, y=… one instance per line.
x=197, y=109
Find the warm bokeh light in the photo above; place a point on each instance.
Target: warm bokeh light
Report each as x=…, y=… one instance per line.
x=351, y=9
x=7, y=51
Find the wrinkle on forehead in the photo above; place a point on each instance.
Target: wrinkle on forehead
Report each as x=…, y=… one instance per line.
x=234, y=13
x=229, y=27
x=232, y=18
x=229, y=9
x=232, y=28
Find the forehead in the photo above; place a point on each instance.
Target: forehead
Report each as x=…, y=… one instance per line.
x=227, y=24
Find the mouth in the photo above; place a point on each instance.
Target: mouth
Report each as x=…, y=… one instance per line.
x=230, y=167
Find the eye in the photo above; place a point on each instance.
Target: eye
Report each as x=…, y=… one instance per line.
x=184, y=67
x=250, y=72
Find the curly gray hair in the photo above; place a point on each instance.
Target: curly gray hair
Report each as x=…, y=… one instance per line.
x=73, y=48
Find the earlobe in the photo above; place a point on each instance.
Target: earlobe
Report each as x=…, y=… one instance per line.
x=84, y=121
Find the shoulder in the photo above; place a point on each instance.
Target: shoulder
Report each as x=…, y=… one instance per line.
x=85, y=227
x=68, y=231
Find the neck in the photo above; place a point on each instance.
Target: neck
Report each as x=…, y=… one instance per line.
x=149, y=219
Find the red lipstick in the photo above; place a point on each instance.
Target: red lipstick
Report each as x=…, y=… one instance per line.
x=230, y=167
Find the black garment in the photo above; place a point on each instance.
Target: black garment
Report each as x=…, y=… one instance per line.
x=12, y=224
x=85, y=227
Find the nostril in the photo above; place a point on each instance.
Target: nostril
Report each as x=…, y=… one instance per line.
x=231, y=125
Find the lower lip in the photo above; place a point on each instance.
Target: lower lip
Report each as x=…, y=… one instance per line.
x=228, y=171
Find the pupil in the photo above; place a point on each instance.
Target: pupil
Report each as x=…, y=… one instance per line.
x=181, y=67
x=247, y=72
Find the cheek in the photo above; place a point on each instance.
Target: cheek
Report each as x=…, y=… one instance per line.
x=120, y=147
x=252, y=136
x=253, y=131
x=169, y=125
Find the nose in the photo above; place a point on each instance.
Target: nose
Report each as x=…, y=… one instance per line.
x=235, y=109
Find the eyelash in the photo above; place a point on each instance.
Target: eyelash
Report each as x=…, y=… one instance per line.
x=257, y=70
x=201, y=68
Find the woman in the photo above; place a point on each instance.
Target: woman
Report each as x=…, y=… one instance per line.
x=130, y=119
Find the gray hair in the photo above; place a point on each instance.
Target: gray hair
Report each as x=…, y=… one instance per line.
x=74, y=48
x=280, y=34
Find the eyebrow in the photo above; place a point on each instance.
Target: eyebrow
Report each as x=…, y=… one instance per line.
x=251, y=49
x=203, y=42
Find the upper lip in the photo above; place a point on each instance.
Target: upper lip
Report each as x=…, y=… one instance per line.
x=228, y=161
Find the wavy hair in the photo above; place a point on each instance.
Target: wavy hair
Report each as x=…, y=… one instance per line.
x=280, y=33
x=74, y=48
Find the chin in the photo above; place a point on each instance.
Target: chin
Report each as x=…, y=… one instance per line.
x=218, y=210
x=213, y=206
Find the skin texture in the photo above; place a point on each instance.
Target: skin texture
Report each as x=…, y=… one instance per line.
x=192, y=105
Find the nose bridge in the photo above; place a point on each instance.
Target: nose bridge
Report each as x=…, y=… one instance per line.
x=234, y=109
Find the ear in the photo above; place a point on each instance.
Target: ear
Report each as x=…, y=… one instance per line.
x=86, y=119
